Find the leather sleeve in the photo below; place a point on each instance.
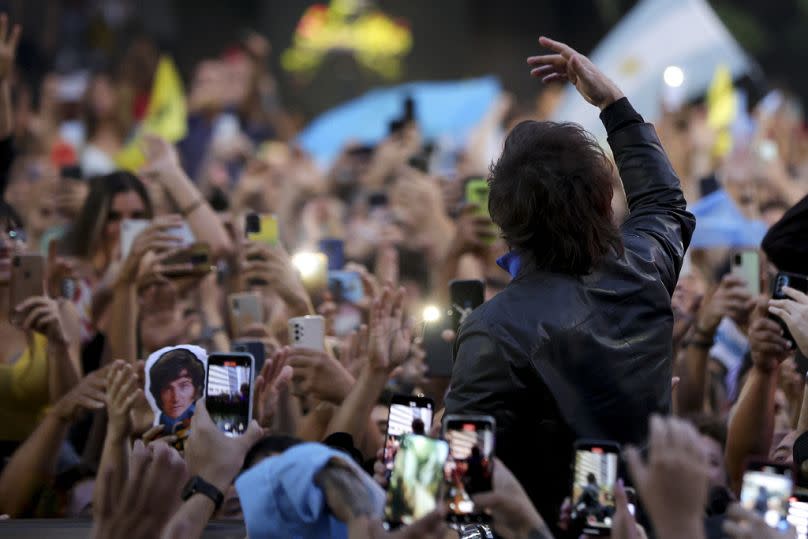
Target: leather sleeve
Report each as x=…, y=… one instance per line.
x=480, y=375
x=657, y=207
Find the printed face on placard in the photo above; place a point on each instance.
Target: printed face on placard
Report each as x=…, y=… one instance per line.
x=175, y=379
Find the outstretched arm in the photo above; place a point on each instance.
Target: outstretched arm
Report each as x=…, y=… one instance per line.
x=655, y=200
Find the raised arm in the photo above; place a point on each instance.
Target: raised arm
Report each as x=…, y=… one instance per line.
x=655, y=200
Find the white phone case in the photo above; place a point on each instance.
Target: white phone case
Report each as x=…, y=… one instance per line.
x=130, y=228
x=307, y=332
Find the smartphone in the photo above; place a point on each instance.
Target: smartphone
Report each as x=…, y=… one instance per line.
x=229, y=391
x=798, y=512
x=184, y=233
x=465, y=297
x=261, y=228
x=438, y=351
x=334, y=249
x=416, y=480
x=245, y=310
x=791, y=280
x=766, y=490
x=593, y=479
x=192, y=261
x=345, y=286
x=307, y=332
x=130, y=228
x=408, y=414
x=255, y=348
x=27, y=280
x=477, y=194
x=746, y=264
x=470, y=466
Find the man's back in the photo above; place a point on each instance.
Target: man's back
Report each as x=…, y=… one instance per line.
x=556, y=357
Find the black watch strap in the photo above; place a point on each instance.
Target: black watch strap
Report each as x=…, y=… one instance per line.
x=197, y=485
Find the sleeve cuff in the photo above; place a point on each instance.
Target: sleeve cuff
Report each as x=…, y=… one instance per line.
x=619, y=115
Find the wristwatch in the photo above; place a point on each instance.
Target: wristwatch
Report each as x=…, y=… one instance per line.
x=197, y=485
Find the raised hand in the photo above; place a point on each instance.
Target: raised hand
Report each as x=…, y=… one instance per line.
x=767, y=345
x=794, y=312
x=389, y=337
x=318, y=375
x=87, y=396
x=567, y=64
x=678, y=460
x=274, y=377
x=8, y=46
x=42, y=314
x=163, y=162
x=211, y=454
x=122, y=392
x=513, y=513
x=731, y=298
x=150, y=495
x=155, y=238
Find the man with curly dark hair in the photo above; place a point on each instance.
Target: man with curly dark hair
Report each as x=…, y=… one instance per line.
x=177, y=381
x=579, y=344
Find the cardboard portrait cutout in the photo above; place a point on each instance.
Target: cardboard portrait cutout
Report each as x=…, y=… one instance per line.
x=175, y=380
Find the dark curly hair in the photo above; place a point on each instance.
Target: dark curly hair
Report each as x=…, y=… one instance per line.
x=551, y=193
x=170, y=366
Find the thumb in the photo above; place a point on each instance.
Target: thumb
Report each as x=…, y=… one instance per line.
x=201, y=414
x=620, y=498
x=252, y=436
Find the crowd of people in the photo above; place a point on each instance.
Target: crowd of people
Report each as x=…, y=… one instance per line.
x=599, y=322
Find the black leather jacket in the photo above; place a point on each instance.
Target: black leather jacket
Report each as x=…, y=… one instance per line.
x=556, y=357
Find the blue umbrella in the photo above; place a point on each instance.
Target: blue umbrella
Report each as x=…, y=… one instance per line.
x=719, y=223
x=444, y=110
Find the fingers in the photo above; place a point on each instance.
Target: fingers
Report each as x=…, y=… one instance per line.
x=14, y=40
x=796, y=295
x=636, y=467
x=564, y=50
x=252, y=436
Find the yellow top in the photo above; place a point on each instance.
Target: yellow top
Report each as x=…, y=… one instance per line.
x=24, y=394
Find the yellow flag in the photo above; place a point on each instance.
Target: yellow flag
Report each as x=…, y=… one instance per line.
x=722, y=108
x=166, y=115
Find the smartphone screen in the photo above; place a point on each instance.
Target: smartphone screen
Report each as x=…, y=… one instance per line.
x=408, y=415
x=470, y=466
x=593, y=486
x=465, y=297
x=766, y=490
x=228, y=395
x=798, y=512
x=416, y=481
x=345, y=286
x=477, y=194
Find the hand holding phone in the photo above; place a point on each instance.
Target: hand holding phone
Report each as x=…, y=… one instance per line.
x=746, y=265
x=791, y=280
x=229, y=391
x=27, y=280
x=307, y=332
